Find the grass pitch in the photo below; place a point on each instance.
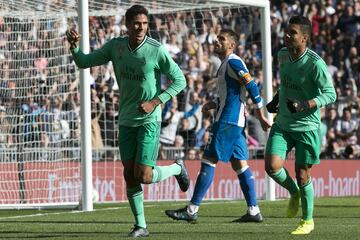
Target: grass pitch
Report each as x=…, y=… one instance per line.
x=335, y=218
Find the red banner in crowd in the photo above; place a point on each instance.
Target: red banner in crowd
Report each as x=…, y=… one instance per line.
x=60, y=182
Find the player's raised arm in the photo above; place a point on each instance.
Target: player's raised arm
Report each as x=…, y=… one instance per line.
x=95, y=58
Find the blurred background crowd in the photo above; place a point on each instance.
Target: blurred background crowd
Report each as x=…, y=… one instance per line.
x=48, y=112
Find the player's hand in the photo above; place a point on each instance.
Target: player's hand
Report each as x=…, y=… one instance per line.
x=295, y=105
x=72, y=37
x=273, y=105
x=265, y=124
x=148, y=106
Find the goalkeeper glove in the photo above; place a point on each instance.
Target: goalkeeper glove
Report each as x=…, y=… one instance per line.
x=273, y=105
x=295, y=106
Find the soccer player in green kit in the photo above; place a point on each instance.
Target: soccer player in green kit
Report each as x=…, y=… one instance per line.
x=138, y=62
x=305, y=87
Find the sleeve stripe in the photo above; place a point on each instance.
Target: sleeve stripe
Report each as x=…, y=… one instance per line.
x=260, y=104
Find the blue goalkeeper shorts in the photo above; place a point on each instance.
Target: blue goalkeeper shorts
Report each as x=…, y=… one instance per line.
x=225, y=142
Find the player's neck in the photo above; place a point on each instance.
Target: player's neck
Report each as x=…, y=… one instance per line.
x=295, y=53
x=224, y=55
x=134, y=43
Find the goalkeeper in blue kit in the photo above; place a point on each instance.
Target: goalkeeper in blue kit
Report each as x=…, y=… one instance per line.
x=138, y=62
x=306, y=86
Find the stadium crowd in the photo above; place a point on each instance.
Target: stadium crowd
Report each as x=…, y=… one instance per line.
x=51, y=103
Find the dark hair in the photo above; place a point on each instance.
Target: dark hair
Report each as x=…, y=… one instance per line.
x=232, y=34
x=133, y=11
x=304, y=23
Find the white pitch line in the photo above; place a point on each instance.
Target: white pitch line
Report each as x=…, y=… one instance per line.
x=102, y=209
x=72, y=212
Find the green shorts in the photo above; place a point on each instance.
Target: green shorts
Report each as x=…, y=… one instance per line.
x=140, y=144
x=307, y=145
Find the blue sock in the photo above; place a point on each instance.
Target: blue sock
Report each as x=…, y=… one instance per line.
x=203, y=183
x=247, y=184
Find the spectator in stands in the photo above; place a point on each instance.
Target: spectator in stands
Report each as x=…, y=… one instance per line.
x=179, y=146
x=323, y=127
x=184, y=96
x=202, y=135
x=214, y=61
x=331, y=68
x=346, y=126
x=184, y=55
x=172, y=45
x=191, y=154
x=187, y=133
x=350, y=152
x=171, y=122
x=5, y=129
x=332, y=150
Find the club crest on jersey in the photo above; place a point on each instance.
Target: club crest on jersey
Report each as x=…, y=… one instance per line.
x=120, y=49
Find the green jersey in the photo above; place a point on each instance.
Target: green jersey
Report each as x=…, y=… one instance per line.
x=138, y=73
x=304, y=78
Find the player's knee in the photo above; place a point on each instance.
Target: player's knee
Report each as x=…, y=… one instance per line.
x=270, y=168
x=237, y=164
x=128, y=175
x=273, y=165
x=144, y=178
x=302, y=178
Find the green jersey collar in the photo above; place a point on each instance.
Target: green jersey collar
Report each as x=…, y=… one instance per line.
x=300, y=57
x=142, y=43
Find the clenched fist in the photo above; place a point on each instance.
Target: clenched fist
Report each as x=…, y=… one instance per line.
x=72, y=37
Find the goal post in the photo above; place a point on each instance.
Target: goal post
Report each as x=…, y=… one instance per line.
x=85, y=111
x=47, y=108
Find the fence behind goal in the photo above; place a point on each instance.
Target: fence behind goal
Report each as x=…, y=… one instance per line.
x=40, y=157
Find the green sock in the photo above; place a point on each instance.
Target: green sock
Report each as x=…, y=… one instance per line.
x=163, y=172
x=307, y=200
x=283, y=178
x=136, y=199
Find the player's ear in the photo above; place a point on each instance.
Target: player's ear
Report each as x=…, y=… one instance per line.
x=306, y=37
x=232, y=44
x=127, y=23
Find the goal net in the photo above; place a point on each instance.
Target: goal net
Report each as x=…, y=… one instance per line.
x=40, y=156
